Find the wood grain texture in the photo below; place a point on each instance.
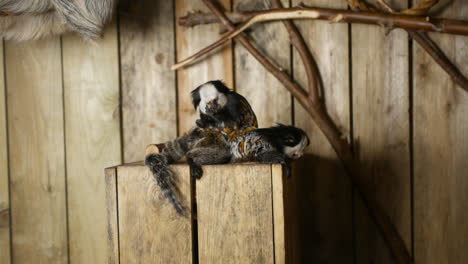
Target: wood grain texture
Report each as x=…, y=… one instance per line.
x=441, y=151
x=285, y=216
x=5, y=256
x=112, y=216
x=148, y=84
x=324, y=188
x=37, y=164
x=151, y=231
x=380, y=76
x=91, y=92
x=217, y=66
x=279, y=224
x=269, y=99
x=234, y=212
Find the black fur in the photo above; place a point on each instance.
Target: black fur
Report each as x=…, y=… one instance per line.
x=282, y=135
x=200, y=146
x=218, y=84
x=164, y=178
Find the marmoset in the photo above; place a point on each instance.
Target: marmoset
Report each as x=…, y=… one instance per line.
x=221, y=113
x=221, y=108
x=279, y=144
x=212, y=142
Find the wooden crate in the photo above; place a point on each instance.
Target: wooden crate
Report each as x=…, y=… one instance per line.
x=244, y=214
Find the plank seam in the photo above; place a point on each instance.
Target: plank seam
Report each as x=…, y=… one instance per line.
x=67, y=220
x=121, y=121
x=117, y=210
x=273, y=213
x=10, y=224
x=351, y=137
x=411, y=134
x=176, y=75
x=194, y=219
x=291, y=67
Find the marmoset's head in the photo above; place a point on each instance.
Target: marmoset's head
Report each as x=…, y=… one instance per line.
x=210, y=96
x=290, y=140
x=295, y=140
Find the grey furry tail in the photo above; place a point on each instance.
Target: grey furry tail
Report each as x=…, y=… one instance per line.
x=157, y=163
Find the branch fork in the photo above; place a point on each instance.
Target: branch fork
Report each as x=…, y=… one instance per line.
x=311, y=100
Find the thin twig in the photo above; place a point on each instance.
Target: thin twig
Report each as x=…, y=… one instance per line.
x=388, y=20
x=267, y=63
x=421, y=8
x=200, y=18
x=438, y=55
x=432, y=48
x=310, y=65
x=361, y=5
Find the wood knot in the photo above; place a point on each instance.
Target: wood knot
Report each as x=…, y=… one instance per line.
x=159, y=58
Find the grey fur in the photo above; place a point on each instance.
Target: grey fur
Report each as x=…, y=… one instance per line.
x=33, y=19
x=200, y=146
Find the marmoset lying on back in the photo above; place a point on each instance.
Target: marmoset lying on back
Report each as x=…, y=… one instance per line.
x=224, y=134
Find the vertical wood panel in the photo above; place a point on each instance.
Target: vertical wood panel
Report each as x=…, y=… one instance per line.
x=112, y=216
x=92, y=119
x=151, y=231
x=280, y=229
x=148, y=84
x=381, y=132
x=234, y=212
x=36, y=134
x=441, y=151
x=4, y=184
x=268, y=97
x=285, y=216
x=216, y=66
x=324, y=188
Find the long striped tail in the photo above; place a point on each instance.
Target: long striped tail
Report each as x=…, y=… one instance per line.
x=164, y=177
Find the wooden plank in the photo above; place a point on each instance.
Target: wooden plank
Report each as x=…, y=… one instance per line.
x=380, y=78
x=279, y=225
x=37, y=165
x=322, y=182
x=91, y=93
x=234, y=212
x=285, y=216
x=150, y=229
x=148, y=84
x=112, y=216
x=5, y=256
x=216, y=66
x=441, y=151
x=268, y=97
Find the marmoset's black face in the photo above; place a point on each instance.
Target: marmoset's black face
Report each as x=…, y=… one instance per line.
x=294, y=140
x=289, y=140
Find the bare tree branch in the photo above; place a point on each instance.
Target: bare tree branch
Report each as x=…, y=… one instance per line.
x=333, y=15
x=310, y=65
x=421, y=23
x=438, y=55
x=431, y=47
x=339, y=143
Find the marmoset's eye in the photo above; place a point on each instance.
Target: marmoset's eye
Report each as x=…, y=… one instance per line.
x=290, y=140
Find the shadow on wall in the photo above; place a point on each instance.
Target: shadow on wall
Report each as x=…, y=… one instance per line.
x=139, y=17
x=324, y=202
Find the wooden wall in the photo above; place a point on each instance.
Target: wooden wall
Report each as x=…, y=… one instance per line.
x=69, y=108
